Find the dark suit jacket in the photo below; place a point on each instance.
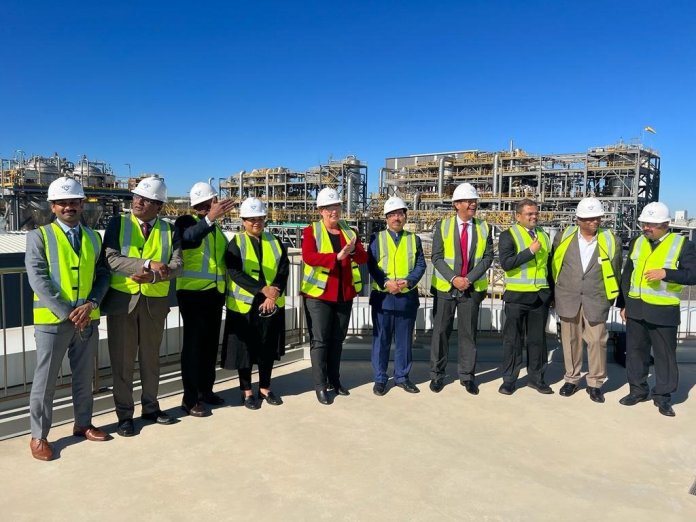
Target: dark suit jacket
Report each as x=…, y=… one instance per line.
x=575, y=287
x=475, y=271
x=117, y=302
x=509, y=259
x=685, y=274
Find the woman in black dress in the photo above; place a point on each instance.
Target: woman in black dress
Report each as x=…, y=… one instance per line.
x=257, y=275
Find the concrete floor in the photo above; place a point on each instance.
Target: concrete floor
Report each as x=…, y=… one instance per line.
x=450, y=456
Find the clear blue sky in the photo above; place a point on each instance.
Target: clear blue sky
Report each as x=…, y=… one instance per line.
x=194, y=90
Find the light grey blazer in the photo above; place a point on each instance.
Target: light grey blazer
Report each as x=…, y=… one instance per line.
x=575, y=287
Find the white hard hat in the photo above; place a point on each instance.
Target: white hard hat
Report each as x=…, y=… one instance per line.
x=465, y=191
x=201, y=192
x=152, y=187
x=327, y=196
x=654, y=212
x=252, y=207
x=589, y=208
x=65, y=188
x=394, y=203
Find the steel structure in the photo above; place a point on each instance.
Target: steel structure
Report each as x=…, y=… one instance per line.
x=625, y=177
x=24, y=185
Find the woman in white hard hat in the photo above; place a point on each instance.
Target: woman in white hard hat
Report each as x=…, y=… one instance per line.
x=257, y=275
x=331, y=279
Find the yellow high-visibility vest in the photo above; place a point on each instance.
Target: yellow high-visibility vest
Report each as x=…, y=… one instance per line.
x=665, y=255
x=532, y=275
x=204, y=266
x=607, y=249
x=240, y=300
x=314, y=278
x=71, y=274
x=447, y=230
x=395, y=261
x=158, y=247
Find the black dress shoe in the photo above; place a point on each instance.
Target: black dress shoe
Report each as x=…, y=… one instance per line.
x=507, y=388
x=408, y=386
x=595, y=394
x=212, y=399
x=159, y=417
x=568, y=389
x=126, y=428
x=197, y=410
x=271, y=398
x=380, y=388
x=339, y=389
x=665, y=408
x=632, y=400
x=541, y=387
x=436, y=385
x=249, y=401
x=471, y=387
x=323, y=396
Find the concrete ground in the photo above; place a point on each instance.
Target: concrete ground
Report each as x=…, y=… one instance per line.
x=450, y=456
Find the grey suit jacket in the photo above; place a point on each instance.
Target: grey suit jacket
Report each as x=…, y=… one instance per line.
x=40, y=281
x=575, y=287
x=475, y=271
x=117, y=302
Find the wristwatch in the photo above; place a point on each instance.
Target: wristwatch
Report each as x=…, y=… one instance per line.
x=94, y=303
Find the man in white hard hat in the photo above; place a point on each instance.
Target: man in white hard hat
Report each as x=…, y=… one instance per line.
x=396, y=262
x=524, y=250
x=461, y=256
x=200, y=293
x=144, y=255
x=69, y=284
x=658, y=265
x=585, y=267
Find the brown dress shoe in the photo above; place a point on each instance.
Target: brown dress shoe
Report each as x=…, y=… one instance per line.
x=41, y=449
x=91, y=433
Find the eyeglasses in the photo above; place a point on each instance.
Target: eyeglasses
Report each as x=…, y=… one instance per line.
x=146, y=200
x=399, y=213
x=67, y=202
x=332, y=208
x=254, y=219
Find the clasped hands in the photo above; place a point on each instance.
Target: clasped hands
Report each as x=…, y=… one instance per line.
x=146, y=276
x=461, y=283
x=80, y=315
x=271, y=293
x=394, y=286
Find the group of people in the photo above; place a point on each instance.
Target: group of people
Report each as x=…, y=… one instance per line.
x=76, y=279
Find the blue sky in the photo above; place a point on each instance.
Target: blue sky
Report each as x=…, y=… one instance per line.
x=194, y=90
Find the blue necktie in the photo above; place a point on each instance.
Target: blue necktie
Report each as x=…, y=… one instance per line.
x=74, y=236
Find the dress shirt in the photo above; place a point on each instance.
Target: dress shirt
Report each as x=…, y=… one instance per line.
x=587, y=248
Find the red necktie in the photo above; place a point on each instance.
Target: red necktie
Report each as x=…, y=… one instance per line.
x=145, y=227
x=464, y=245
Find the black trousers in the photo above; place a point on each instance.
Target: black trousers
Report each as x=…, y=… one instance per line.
x=265, y=370
x=640, y=337
x=202, y=314
x=467, y=309
x=523, y=321
x=328, y=325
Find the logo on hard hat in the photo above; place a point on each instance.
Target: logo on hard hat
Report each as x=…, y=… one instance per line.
x=197, y=193
x=254, y=206
x=145, y=184
x=66, y=188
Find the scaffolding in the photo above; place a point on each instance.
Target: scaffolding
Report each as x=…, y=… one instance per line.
x=625, y=177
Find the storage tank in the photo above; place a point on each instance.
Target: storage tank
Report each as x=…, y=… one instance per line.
x=89, y=174
x=41, y=170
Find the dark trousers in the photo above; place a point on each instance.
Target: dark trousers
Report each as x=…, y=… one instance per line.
x=467, y=309
x=523, y=321
x=388, y=325
x=640, y=337
x=265, y=369
x=135, y=334
x=202, y=315
x=328, y=325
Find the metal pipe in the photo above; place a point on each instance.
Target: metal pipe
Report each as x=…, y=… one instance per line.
x=495, y=175
x=349, y=196
x=241, y=174
x=381, y=180
x=441, y=178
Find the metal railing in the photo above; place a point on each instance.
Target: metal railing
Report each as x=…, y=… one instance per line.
x=18, y=358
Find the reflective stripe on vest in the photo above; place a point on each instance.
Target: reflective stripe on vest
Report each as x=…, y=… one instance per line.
x=447, y=231
x=71, y=275
x=314, y=278
x=158, y=247
x=606, y=244
x=665, y=255
x=531, y=276
x=204, y=266
x=239, y=299
x=396, y=261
